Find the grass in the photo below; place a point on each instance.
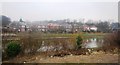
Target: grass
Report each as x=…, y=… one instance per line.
x=84, y=35
x=50, y=38
x=34, y=39
x=48, y=35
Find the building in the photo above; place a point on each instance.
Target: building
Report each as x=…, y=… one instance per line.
x=23, y=26
x=87, y=28
x=93, y=28
x=42, y=28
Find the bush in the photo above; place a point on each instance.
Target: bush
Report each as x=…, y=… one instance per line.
x=118, y=38
x=13, y=49
x=30, y=42
x=113, y=39
x=79, y=41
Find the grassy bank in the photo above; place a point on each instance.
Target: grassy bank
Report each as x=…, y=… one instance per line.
x=84, y=35
x=30, y=42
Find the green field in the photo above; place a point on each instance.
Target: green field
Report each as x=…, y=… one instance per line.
x=84, y=35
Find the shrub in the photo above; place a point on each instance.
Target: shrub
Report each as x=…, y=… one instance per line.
x=113, y=39
x=118, y=38
x=13, y=49
x=79, y=41
x=30, y=42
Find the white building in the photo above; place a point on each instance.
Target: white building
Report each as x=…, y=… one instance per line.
x=93, y=28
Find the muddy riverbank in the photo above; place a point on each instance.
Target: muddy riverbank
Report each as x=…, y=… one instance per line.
x=95, y=57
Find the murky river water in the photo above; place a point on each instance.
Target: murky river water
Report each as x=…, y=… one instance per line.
x=92, y=43
x=88, y=43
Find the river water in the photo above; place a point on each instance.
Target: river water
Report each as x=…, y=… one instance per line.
x=88, y=43
x=93, y=43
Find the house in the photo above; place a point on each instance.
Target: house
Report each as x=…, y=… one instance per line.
x=93, y=28
x=87, y=28
x=42, y=28
x=53, y=26
x=68, y=28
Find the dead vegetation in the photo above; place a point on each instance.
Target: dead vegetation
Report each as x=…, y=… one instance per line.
x=31, y=42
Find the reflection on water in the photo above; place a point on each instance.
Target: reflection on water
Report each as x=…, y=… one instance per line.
x=55, y=44
x=49, y=48
x=92, y=43
x=88, y=43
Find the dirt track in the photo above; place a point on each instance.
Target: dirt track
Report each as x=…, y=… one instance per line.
x=96, y=57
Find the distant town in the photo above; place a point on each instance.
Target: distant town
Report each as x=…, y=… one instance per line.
x=61, y=26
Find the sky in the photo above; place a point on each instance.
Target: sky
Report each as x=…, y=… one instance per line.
x=59, y=9
x=59, y=0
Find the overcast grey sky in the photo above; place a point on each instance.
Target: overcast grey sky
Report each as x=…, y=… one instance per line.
x=35, y=11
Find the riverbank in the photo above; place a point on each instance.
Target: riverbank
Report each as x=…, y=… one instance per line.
x=95, y=57
x=32, y=43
